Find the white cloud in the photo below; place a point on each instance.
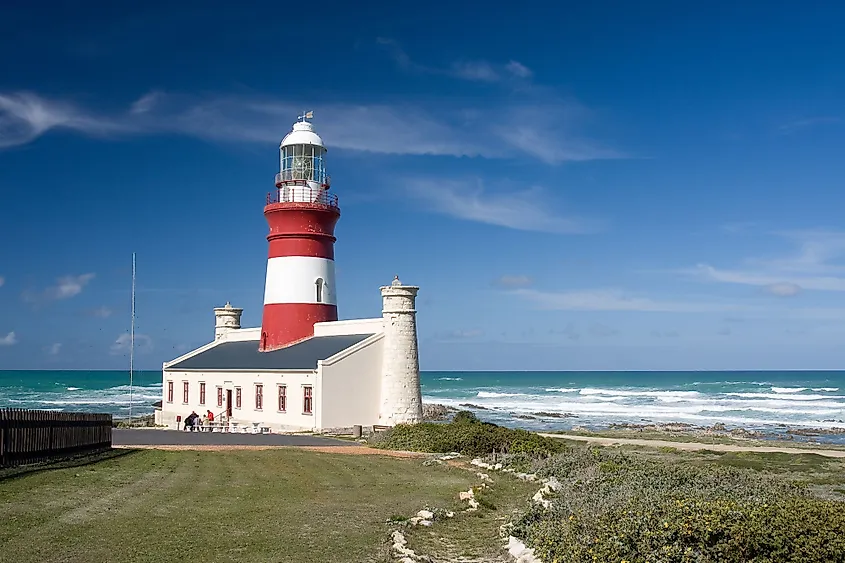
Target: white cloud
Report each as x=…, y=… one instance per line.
x=518, y=69
x=819, y=264
x=783, y=289
x=510, y=282
x=542, y=131
x=527, y=210
x=804, y=123
x=66, y=287
x=101, y=312
x=2, y=281
x=123, y=344
x=145, y=103
x=476, y=71
x=69, y=286
x=53, y=349
x=616, y=300
x=25, y=116
x=9, y=339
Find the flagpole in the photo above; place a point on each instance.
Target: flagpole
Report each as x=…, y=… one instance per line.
x=132, y=341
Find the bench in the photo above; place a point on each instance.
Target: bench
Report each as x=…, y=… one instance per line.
x=380, y=428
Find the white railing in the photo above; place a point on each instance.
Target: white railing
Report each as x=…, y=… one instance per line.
x=301, y=194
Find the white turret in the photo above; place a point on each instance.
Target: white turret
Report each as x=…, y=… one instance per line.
x=226, y=318
x=401, y=398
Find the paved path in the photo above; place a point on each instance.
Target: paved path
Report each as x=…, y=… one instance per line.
x=149, y=437
x=692, y=446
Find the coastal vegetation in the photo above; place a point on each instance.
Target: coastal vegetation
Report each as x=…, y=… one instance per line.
x=656, y=504
x=467, y=435
x=614, y=505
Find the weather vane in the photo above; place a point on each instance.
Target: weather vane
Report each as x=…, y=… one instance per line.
x=306, y=115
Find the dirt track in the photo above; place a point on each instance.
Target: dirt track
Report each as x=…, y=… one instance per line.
x=694, y=446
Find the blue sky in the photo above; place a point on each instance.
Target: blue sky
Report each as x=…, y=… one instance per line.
x=604, y=185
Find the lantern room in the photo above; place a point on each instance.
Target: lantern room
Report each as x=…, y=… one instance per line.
x=302, y=156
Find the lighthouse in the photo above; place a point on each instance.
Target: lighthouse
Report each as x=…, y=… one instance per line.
x=299, y=289
x=302, y=369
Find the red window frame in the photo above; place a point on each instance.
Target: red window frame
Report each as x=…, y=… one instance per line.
x=307, y=399
x=219, y=396
x=259, y=397
x=169, y=391
x=185, y=392
x=237, y=397
x=283, y=398
x=202, y=393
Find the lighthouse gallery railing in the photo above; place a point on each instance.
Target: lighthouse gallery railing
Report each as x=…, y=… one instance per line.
x=302, y=194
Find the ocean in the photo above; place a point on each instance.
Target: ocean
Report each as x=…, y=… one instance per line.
x=760, y=400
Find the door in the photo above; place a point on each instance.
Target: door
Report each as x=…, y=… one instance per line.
x=228, y=403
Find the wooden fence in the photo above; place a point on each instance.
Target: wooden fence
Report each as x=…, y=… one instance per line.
x=28, y=436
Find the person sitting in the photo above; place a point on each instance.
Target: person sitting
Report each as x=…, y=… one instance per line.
x=210, y=416
x=191, y=420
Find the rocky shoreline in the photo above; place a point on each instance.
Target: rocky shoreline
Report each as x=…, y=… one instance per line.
x=437, y=412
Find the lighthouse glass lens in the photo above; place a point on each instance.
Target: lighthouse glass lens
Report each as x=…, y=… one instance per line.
x=302, y=167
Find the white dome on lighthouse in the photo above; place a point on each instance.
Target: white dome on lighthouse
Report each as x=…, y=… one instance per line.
x=302, y=134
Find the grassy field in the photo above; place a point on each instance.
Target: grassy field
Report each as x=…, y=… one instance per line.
x=271, y=505
x=288, y=505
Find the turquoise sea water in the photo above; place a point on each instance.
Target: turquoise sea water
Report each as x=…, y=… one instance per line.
x=756, y=399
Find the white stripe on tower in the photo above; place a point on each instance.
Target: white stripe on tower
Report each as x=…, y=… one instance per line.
x=300, y=279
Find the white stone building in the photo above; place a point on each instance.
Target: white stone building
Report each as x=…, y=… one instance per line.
x=362, y=371
x=302, y=370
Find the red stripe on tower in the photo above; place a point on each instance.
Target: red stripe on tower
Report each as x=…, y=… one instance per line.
x=300, y=286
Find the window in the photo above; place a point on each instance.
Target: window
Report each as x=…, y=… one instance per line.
x=237, y=397
x=219, y=396
x=307, y=400
x=259, y=397
x=283, y=398
x=319, y=283
x=202, y=393
x=169, y=391
x=185, y=392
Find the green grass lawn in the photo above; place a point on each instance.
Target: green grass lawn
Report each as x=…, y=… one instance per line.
x=271, y=505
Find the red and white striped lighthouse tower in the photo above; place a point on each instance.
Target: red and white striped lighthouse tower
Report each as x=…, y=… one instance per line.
x=300, y=286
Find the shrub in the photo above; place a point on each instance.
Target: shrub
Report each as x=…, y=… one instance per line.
x=466, y=435
x=465, y=417
x=617, y=507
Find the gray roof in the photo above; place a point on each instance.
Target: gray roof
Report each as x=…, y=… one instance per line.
x=244, y=355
